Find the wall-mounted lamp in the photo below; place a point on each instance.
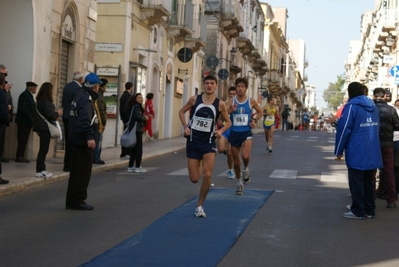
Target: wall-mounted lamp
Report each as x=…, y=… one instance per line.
x=233, y=53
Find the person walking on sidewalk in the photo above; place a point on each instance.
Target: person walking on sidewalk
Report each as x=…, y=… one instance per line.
x=201, y=132
x=240, y=109
x=149, y=112
x=357, y=135
x=135, y=107
x=45, y=106
x=82, y=134
x=4, y=120
x=124, y=114
x=68, y=94
x=24, y=119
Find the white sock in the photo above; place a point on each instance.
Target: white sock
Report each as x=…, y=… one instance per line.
x=239, y=182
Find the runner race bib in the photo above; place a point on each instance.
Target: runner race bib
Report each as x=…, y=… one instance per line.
x=240, y=119
x=202, y=124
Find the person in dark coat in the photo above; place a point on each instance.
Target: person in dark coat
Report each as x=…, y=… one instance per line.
x=135, y=106
x=4, y=120
x=83, y=127
x=24, y=119
x=101, y=110
x=68, y=94
x=46, y=108
x=389, y=122
x=124, y=114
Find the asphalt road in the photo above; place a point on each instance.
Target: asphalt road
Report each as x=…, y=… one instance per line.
x=300, y=225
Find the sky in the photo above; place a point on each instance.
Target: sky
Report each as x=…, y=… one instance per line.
x=326, y=26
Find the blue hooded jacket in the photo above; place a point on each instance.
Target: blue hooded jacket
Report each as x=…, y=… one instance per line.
x=357, y=134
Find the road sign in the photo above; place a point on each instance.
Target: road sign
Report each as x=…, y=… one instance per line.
x=223, y=74
x=394, y=71
x=388, y=59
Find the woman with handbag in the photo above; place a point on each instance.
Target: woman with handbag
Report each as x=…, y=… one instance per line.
x=46, y=108
x=135, y=108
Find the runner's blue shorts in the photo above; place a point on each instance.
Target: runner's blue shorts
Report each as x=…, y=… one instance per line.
x=226, y=134
x=198, y=150
x=237, y=138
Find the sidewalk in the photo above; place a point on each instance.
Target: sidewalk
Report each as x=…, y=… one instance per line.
x=22, y=175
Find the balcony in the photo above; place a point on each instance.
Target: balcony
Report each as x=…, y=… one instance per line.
x=154, y=10
x=198, y=39
x=253, y=56
x=231, y=18
x=181, y=25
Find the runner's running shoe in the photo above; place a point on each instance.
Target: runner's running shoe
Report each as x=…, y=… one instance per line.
x=239, y=190
x=230, y=174
x=245, y=176
x=199, y=212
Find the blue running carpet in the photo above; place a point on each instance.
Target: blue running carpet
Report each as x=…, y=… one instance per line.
x=181, y=239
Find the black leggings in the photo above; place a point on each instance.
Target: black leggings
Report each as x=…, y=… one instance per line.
x=136, y=153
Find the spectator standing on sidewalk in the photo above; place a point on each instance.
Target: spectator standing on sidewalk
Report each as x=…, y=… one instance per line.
x=82, y=134
x=135, y=107
x=284, y=115
x=4, y=120
x=201, y=133
x=68, y=94
x=24, y=119
x=7, y=88
x=46, y=107
x=149, y=112
x=101, y=110
x=357, y=135
x=389, y=122
x=124, y=114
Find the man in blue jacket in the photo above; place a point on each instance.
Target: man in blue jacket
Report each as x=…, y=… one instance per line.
x=357, y=135
x=83, y=128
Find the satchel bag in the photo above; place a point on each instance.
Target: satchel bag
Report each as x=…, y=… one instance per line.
x=55, y=130
x=128, y=138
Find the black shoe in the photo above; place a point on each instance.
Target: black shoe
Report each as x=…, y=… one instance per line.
x=2, y=181
x=391, y=205
x=79, y=207
x=99, y=162
x=66, y=169
x=5, y=160
x=23, y=160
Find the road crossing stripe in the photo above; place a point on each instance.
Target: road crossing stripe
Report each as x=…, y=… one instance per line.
x=284, y=174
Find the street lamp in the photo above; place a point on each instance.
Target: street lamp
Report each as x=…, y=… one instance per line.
x=233, y=53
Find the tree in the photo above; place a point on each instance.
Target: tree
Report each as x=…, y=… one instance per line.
x=333, y=94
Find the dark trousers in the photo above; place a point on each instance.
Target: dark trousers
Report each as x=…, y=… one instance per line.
x=387, y=173
x=137, y=152
x=68, y=148
x=124, y=150
x=2, y=143
x=79, y=177
x=362, y=190
x=43, y=150
x=23, y=133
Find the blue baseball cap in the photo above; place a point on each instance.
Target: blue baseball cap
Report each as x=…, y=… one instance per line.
x=92, y=78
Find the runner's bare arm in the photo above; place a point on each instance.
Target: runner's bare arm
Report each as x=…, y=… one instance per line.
x=190, y=103
x=258, y=110
x=229, y=104
x=225, y=116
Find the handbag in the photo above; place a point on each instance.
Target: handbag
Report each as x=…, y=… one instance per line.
x=55, y=130
x=128, y=138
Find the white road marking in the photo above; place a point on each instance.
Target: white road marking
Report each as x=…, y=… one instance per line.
x=183, y=171
x=333, y=177
x=284, y=174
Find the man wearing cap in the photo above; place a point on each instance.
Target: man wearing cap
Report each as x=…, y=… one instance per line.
x=68, y=94
x=24, y=119
x=83, y=127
